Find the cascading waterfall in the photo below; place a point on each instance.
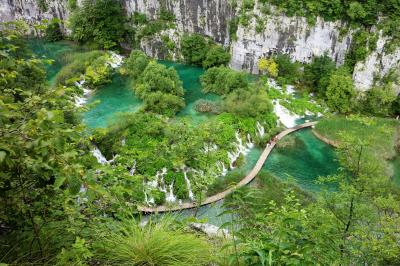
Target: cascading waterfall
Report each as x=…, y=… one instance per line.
x=114, y=62
x=260, y=130
x=100, y=157
x=222, y=169
x=287, y=118
x=249, y=143
x=188, y=184
x=240, y=149
x=133, y=169
x=170, y=197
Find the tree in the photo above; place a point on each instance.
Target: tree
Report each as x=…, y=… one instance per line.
x=269, y=65
x=249, y=103
x=222, y=80
x=216, y=56
x=317, y=73
x=194, y=48
x=100, y=22
x=378, y=100
x=340, y=91
x=136, y=63
x=53, y=31
x=161, y=89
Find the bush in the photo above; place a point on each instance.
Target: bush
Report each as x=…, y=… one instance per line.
x=100, y=22
x=53, y=31
x=216, y=56
x=194, y=48
x=288, y=72
x=317, y=73
x=248, y=103
x=76, y=66
x=222, y=80
x=340, y=91
x=136, y=64
x=154, y=244
x=161, y=89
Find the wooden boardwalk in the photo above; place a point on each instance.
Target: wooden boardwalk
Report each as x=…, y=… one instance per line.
x=253, y=173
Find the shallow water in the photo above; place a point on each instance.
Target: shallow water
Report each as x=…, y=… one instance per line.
x=304, y=161
x=112, y=99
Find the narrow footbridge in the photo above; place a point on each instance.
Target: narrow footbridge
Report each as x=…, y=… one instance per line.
x=253, y=173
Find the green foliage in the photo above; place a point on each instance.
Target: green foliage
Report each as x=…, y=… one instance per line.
x=99, y=22
x=161, y=89
x=249, y=103
x=222, y=80
x=156, y=243
x=216, y=56
x=317, y=74
x=202, y=51
x=53, y=31
x=288, y=71
x=340, y=91
x=135, y=64
x=42, y=4
x=233, y=27
x=43, y=157
x=194, y=48
x=379, y=101
x=89, y=65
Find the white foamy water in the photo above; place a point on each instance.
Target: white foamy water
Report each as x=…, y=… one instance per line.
x=100, y=157
x=287, y=118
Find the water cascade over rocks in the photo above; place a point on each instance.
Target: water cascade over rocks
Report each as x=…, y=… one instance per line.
x=100, y=157
x=114, y=62
x=240, y=149
x=188, y=184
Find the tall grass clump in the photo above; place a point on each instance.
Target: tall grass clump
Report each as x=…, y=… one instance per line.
x=156, y=243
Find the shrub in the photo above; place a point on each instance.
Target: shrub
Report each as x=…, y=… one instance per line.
x=340, y=91
x=53, y=31
x=216, y=56
x=136, y=64
x=222, y=80
x=100, y=22
x=194, y=48
x=205, y=106
x=153, y=244
x=317, y=73
x=248, y=103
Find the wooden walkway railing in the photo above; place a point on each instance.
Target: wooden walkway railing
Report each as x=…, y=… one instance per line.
x=253, y=173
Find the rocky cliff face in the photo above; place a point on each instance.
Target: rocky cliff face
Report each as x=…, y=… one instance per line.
x=289, y=35
x=280, y=34
x=30, y=11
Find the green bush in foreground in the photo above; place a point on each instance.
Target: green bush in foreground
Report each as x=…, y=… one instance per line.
x=153, y=244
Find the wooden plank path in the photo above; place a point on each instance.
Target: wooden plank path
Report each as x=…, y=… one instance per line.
x=253, y=173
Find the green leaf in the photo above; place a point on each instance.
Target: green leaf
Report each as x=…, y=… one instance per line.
x=3, y=155
x=59, y=181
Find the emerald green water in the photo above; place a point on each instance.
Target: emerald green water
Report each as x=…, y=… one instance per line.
x=304, y=161
x=54, y=51
x=190, y=77
x=111, y=99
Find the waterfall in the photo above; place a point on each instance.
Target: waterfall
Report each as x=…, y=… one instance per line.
x=100, y=157
x=189, y=186
x=287, y=118
x=260, y=130
x=222, y=169
x=209, y=147
x=80, y=101
x=170, y=197
x=133, y=169
x=249, y=143
x=115, y=60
